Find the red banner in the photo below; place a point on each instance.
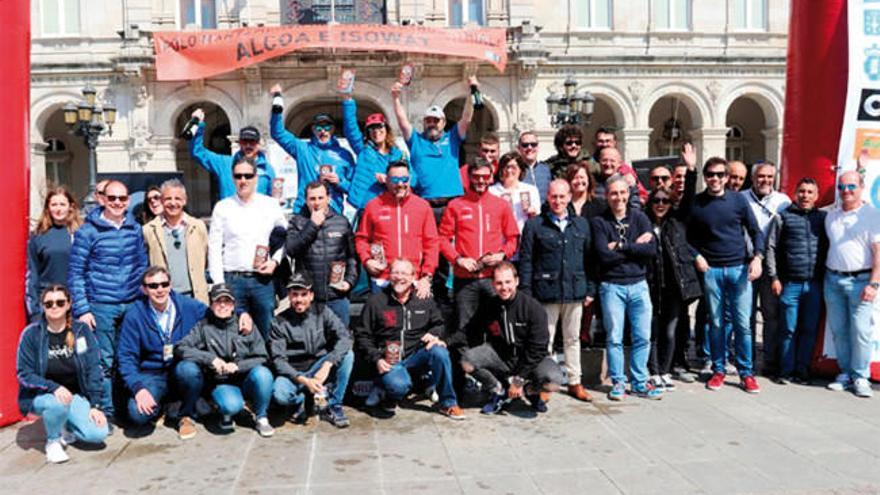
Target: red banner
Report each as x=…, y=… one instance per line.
x=185, y=55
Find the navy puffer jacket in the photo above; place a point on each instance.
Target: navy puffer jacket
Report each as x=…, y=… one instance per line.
x=797, y=245
x=106, y=263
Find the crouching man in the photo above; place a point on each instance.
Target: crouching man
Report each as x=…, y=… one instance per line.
x=514, y=361
x=400, y=333
x=311, y=353
x=232, y=362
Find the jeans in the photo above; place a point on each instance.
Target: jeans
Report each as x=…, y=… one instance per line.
x=398, y=382
x=619, y=303
x=74, y=415
x=570, y=314
x=255, y=295
x=701, y=332
x=800, y=303
x=728, y=291
x=108, y=318
x=491, y=371
x=189, y=381
x=769, y=304
x=340, y=308
x=850, y=321
x=469, y=294
x=256, y=386
x=289, y=393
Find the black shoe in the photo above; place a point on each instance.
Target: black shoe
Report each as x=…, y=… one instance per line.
x=538, y=404
x=335, y=416
x=299, y=414
x=495, y=404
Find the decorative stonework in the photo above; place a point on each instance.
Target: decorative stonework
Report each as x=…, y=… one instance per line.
x=636, y=90
x=713, y=87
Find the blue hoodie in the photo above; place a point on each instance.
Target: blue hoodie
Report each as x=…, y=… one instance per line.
x=309, y=158
x=221, y=165
x=106, y=263
x=370, y=161
x=141, y=342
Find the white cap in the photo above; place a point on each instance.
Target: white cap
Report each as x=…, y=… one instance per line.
x=435, y=111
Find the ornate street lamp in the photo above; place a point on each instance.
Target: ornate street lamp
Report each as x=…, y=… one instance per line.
x=571, y=107
x=90, y=120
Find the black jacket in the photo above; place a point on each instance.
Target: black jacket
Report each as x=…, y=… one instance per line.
x=672, y=269
x=627, y=263
x=315, y=248
x=552, y=263
x=296, y=340
x=797, y=245
x=516, y=330
x=384, y=319
x=220, y=338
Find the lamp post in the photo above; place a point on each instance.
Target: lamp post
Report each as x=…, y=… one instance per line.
x=571, y=107
x=90, y=120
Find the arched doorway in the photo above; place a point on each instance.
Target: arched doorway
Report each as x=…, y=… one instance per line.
x=670, y=120
x=67, y=157
x=604, y=116
x=483, y=122
x=746, y=121
x=201, y=186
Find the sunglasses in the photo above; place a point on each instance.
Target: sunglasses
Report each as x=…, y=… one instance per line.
x=322, y=127
x=661, y=201
x=375, y=127
x=482, y=176
x=156, y=285
x=661, y=178
x=847, y=187
x=112, y=199
x=176, y=235
x=51, y=303
x=154, y=197
x=573, y=143
x=529, y=144
x=399, y=180
x=719, y=175
x=244, y=176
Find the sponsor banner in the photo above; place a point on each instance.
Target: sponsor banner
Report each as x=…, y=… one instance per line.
x=186, y=55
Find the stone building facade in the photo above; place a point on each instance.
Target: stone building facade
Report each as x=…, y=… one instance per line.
x=712, y=70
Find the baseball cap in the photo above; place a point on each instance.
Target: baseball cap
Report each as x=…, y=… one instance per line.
x=322, y=118
x=435, y=111
x=221, y=290
x=249, y=133
x=375, y=118
x=299, y=280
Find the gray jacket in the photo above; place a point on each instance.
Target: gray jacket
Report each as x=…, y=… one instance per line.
x=297, y=341
x=215, y=338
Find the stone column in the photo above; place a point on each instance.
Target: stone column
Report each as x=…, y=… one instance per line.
x=635, y=144
x=772, y=141
x=709, y=142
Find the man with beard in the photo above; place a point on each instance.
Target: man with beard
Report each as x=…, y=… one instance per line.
x=737, y=176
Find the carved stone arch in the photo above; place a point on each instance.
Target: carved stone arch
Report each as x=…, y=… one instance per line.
x=766, y=96
x=46, y=106
x=496, y=103
x=165, y=118
x=621, y=105
x=696, y=101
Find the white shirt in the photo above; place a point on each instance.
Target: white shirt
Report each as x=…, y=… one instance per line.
x=514, y=198
x=165, y=319
x=237, y=228
x=850, y=236
x=766, y=208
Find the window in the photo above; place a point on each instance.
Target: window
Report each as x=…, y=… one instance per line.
x=592, y=14
x=340, y=11
x=735, y=146
x=673, y=15
x=59, y=17
x=750, y=14
x=200, y=13
x=57, y=162
x=464, y=12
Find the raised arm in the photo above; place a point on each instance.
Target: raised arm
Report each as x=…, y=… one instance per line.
x=402, y=120
x=350, y=128
x=468, y=112
x=288, y=142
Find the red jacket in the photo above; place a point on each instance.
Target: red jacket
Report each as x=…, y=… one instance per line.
x=479, y=225
x=405, y=230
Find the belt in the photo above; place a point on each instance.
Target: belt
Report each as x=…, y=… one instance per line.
x=245, y=274
x=439, y=202
x=850, y=274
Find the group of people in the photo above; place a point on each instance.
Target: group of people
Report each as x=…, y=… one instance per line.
x=473, y=269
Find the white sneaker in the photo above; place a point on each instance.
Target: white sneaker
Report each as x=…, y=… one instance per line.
x=264, y=428
x=67, y=438
x=841, y=383
x=376, y=394
x=862, y=388
x=55, y=452
x=657, y=382
x=668, y=384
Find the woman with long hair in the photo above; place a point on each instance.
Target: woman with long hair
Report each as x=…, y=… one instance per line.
x=152, y=206
x=49, y=246
x=584, y=201
x=524, y=199
x=674, y=283
x=59, y=376
x=375, y=149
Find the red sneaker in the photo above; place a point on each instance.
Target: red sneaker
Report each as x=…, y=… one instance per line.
x=716, y=382
x=750, y=385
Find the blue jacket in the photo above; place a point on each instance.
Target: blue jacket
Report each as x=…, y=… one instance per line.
x=553, y=263
x=797, y=245
x=221, y=165
x=309, y=158
x=627, y=263
x=141, y=342
x=363, y=186
x=106, y=263
x=33, y=357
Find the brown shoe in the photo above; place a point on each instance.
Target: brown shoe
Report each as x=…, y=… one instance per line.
x=580, y=393
x=186, y=428
x=545, y=395
x=453, y=412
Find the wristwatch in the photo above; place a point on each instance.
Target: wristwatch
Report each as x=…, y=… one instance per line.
x=875, y=285
x=517, y=381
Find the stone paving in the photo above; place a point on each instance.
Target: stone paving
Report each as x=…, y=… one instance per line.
x=788, y=439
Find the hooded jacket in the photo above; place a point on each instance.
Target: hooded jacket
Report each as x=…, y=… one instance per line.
x=221, y=165
x=297, y=341
x=384, y=319
x=106, y=263
x=215, y=337
x=309, y=159
x=33, y=359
